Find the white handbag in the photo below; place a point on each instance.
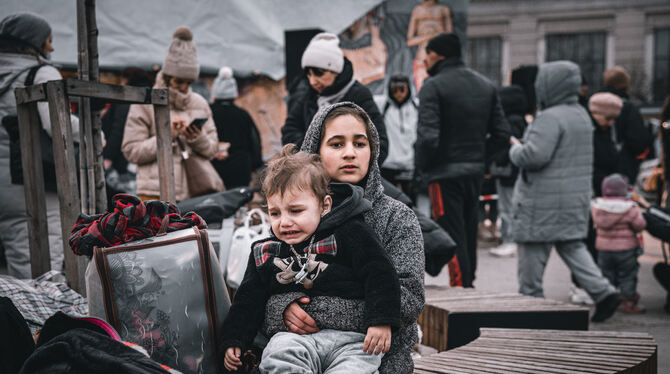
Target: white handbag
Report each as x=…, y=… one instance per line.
x=238, y=256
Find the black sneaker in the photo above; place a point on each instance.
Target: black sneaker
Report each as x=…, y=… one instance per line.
x=606, y=307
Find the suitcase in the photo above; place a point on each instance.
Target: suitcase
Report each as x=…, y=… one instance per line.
x=165, y=293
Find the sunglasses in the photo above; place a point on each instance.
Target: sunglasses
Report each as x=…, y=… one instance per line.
x=314, y=71
x=398, y=87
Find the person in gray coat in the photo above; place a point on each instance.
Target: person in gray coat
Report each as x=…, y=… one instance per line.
x=552, y=195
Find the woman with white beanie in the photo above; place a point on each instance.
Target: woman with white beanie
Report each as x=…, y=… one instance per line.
x=329, y=79
x=200, y=143
x=237, y=134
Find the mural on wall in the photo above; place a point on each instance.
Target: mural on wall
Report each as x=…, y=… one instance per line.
x=391, y=38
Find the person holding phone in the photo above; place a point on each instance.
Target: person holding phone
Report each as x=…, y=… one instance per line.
x=193, y=131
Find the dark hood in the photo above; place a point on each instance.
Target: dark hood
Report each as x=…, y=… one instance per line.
x=312, y=143
x=513, y=100
x=557, y=82
x=348, y=202
x=341, y=80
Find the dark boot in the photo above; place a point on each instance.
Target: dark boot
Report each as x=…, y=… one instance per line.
x=606, y=307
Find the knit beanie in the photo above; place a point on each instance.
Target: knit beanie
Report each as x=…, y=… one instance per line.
x=447, y=45
x=225, y=86
x=324, y=52
x=606, y=104
x=27, y=27
x=615, y=185
x=616, y=77
x=182, y=59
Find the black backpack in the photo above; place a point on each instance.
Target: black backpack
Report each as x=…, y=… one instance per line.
x=11, y=124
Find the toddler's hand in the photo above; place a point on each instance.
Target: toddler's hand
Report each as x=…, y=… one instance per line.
x=377, y=340
x=232, y=358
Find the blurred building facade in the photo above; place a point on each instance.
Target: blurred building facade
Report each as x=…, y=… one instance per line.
x=596, y=34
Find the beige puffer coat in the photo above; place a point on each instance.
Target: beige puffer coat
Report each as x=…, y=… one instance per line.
x=139, y=140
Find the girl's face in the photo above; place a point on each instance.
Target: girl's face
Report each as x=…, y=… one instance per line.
x=345, y=149
x=295, y=216
x=180, y=84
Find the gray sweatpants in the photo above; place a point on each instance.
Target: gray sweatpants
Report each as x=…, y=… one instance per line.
x=532, y=259
x=14, y=231
x=505, y=211
x=327, y=351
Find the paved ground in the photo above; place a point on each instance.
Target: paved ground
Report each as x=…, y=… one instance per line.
x=499, y=274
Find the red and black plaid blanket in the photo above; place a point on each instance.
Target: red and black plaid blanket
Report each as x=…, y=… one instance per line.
x=131, y=220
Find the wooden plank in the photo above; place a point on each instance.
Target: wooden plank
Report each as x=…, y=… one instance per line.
x=33, y=183
x=25, y=95
x=59, y=111
x=164, y=150
x=114, y=93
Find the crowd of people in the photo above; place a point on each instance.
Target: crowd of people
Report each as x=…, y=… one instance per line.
x=316, y=282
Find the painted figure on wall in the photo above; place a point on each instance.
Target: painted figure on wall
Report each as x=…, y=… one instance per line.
x=428, y=19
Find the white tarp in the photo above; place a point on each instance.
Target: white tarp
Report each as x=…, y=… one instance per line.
x=244, y=34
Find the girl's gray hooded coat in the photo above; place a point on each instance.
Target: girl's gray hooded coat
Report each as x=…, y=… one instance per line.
x=400, y=234
x=552, y=195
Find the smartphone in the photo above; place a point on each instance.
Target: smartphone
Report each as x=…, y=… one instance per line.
x=198, y=122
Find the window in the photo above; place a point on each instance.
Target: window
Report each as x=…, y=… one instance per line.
x=661, y=77
x=585, y=49
x=484, y=57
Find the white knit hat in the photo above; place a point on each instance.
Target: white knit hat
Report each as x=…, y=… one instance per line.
x=225, y=86
x=182, y=58
x=324, y=52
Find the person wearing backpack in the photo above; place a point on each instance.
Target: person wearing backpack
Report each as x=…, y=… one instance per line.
x=400, y=110
x=25, y=47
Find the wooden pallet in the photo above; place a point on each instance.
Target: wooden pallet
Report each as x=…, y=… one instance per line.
x=547, y=351
x=452, y=317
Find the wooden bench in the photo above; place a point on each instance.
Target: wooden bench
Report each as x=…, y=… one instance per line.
x=547, y=351
x=452, y=317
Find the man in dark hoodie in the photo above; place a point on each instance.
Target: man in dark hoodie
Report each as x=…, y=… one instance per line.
x=322, y=252
x=329, y=80
x=460, y=116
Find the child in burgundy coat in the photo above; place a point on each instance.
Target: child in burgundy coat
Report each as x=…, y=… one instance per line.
x=618, y=220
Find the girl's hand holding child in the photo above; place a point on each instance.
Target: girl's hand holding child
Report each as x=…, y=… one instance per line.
x=377, y=340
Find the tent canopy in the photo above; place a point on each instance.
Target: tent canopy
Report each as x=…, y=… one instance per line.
x=246, y=35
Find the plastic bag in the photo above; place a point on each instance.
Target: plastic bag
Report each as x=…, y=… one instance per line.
x=240, y=247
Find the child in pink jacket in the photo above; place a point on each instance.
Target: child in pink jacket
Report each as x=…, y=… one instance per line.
x=618, y=220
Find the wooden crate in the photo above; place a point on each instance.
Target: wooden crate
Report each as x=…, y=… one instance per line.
x=547, y=351
x=452, y=316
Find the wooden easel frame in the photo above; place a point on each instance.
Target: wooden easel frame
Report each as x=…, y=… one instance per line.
x=57, y=94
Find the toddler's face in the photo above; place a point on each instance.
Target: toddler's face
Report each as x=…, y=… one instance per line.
x=295, y=216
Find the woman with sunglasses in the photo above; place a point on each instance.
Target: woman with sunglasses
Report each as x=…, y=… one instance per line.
x=329, y=79
x=201, y=142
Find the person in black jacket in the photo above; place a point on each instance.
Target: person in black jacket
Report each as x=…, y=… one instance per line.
x=458, y=110
x=513, y=99
x=239, y=142
x=329, y=79
x=632, y=136
x=322, y=246
x=114, y=120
